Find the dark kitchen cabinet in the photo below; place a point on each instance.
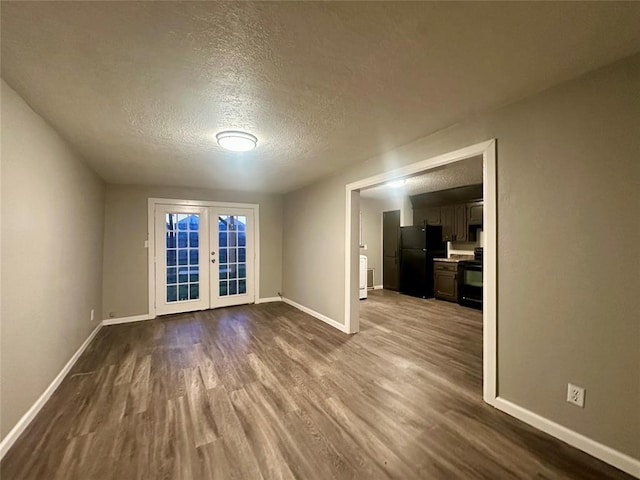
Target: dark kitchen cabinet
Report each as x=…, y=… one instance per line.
x=454, y=223
x=426, y=216
x=447, y=219
x=475, y=212
x=432, y=216
x=445, y=281
x=460, y=223
x=454, y=219
x=458, y=211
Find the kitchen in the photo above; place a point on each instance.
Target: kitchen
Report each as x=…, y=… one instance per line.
x=422, y=236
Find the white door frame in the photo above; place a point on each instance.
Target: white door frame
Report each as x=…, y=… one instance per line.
x=151, y=237
x=160, y=245
x=489, y=312
x=215, y=299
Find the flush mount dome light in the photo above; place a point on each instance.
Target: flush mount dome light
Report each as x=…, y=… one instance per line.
x=236, y=141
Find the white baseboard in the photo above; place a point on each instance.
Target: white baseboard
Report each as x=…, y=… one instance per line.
x=268, y=300
x=608, y=455
x=377, y=287
x=27, y=418
x=118, y=321
x=317, y=315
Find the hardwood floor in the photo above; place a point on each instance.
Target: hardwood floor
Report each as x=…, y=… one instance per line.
x=265, y=391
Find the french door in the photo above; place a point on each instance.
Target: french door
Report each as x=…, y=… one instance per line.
x=231, y=256
x=204, y=257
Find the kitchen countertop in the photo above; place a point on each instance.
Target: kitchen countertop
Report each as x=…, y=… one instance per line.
x=454, y=258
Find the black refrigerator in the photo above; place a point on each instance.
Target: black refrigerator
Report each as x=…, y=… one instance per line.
x=418, y=247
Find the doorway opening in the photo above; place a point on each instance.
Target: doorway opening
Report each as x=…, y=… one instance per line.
x=202, y=255
x=485, y=150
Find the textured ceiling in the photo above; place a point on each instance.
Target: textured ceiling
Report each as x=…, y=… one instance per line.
x=458, y=174
x=140, y=88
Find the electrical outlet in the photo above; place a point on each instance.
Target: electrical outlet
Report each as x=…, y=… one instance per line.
x=575, y=395
x=93, y=314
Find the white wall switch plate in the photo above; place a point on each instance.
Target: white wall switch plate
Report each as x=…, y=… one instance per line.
x=575, y=395
x=93, y=314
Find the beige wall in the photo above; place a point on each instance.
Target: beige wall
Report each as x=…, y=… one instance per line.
x=372, y=236
x=568, y=171
x=313, y=247
x=399, y=203
x=372, y=209
x=125, y=286
x=52, y=233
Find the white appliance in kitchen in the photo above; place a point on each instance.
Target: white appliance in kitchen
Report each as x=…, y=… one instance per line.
x=363, y=276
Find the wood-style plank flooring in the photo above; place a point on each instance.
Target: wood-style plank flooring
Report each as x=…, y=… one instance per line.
x=267, y=392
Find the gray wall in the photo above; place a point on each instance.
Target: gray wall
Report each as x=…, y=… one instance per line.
x=126, y=290
x=372, y=235
x=372, y=209
x=568, y=172
x=52, y=234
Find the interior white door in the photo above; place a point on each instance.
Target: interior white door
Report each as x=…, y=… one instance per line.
x=232, y=257
x=181, y=268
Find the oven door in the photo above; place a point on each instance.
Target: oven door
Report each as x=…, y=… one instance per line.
x=470, y=284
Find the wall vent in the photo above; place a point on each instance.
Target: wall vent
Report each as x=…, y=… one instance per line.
x=370, y=277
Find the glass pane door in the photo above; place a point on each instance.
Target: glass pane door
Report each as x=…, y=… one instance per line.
x=203, y=257
x=232, y=242
x=232, y=280
x=183, y=269
x=181, y=244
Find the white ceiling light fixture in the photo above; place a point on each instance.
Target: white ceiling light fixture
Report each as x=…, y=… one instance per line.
x=236, y=141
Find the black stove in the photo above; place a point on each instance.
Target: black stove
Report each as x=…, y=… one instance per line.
x=470, y=282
